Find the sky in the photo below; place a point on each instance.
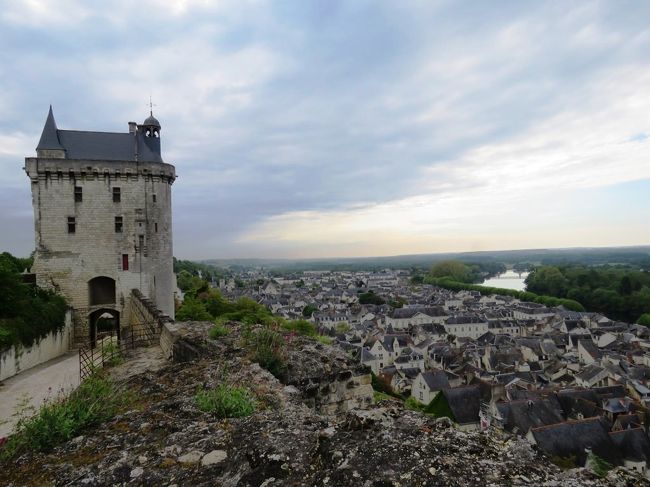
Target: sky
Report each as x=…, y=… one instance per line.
x=304, y=129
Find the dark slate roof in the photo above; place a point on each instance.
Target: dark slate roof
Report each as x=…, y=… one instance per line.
x=625, y=421
x=99, y=146
x=590, y=372
x=633, y=444
x=152, y=121
x=436, y=380
x=590, y=348
x=409, y=372
x=531, y=413
x=464, y=402
x=579, y=401
x=49, y=136
x=572, y=437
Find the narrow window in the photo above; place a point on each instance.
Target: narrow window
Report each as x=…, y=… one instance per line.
x=117, y=195
x=118, y=224
x=140, y=242
x=154, y=198
x=72, y=224
x=155, y=226
x=125, y=262
x=78, y=195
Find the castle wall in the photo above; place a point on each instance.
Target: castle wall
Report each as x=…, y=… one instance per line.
x=68, y=261
x=18, y=358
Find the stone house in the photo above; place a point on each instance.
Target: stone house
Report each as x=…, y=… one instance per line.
x=427, y=385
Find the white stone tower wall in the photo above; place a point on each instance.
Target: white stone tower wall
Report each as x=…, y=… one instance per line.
x=68, y=261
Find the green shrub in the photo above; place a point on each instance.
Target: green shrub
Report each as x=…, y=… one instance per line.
x=565, y=463
x=644, y=320
x=27, y=313
x=226, y=401
x=218, y=331
x=598, y=465
x=97, y=399
x=192, y=310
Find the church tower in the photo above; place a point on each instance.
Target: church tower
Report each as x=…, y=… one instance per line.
x=103, y=219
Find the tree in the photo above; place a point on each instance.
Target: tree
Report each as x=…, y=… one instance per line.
x=371, y=298
x=452, y=269
x=309, y=310
x=644, y=319
x=547, y=280
x=625, y=286
x=192, y=310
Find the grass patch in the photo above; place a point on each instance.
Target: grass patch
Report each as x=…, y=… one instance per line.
x=226, y=401
x=301, y=327
x=96, y=400
x=219, y=330
x=267, y=348
x=324, y=339
x=380, y=396
x=111, y=354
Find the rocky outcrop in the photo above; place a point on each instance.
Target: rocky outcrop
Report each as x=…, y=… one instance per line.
x=304, y=432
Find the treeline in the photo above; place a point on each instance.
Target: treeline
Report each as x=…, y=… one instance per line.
x=190, y=275
x=619, y=292
x=27, y=312
x=460, y=272
x=528, y=296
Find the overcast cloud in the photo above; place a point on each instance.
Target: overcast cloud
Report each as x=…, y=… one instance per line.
x=327, y=128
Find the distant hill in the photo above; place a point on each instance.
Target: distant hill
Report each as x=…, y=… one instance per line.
x=638, y=256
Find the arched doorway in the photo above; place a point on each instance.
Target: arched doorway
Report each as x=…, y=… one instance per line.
x=101, y=290
x=103, y=322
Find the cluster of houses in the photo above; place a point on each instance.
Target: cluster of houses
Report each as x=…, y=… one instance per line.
x=574, y=384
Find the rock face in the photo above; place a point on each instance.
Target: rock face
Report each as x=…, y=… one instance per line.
x=304, y=432
x=329, y=380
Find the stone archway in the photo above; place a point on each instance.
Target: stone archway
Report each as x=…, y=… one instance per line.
x=103, y=322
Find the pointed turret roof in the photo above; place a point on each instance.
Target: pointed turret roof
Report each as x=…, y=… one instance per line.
x=50, y=135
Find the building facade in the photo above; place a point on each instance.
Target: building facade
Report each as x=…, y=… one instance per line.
x=103, y=220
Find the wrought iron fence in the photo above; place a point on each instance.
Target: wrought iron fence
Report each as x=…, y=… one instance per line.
x=109, y=348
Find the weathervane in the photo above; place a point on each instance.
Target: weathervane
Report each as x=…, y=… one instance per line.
x=151, y=105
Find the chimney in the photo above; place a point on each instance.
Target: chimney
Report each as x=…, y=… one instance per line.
x=132, y=127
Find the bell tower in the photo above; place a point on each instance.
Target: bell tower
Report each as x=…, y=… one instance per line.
x=150, y=131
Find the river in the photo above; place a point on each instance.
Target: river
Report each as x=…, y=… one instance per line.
x=508, y=280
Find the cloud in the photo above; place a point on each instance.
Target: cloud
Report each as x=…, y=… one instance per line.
x=496, y=190
x=391, y=122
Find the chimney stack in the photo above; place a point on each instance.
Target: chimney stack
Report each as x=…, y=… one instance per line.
x=133, y=127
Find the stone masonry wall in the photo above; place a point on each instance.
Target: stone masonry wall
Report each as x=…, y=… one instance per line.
x=18, y=358
x=68, y=261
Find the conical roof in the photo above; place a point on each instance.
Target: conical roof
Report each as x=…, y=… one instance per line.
x=50, y=136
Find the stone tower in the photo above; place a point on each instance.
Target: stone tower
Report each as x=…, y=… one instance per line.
x=103, y=220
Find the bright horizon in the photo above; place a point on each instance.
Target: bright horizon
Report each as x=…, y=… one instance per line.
x=315, y=130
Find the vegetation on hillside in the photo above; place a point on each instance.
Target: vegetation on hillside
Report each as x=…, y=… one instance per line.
x=619, y=292
x=266, y=345
x=193, y=275
x=27, y=312
x=97, y=399
x=226, y=401
x=522, y=295
x=455, y=270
